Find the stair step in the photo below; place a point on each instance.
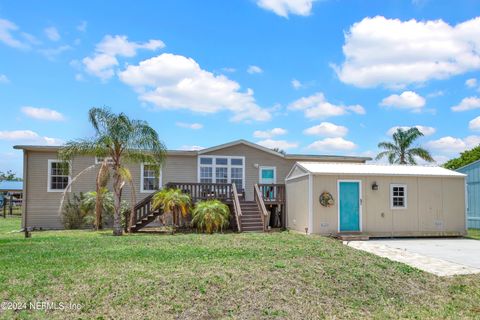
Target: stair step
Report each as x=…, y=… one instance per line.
x=247, y=229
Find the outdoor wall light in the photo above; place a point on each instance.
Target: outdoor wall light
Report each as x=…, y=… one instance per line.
x=374, y=186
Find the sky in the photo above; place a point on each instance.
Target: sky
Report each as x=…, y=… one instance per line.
x=317, y=77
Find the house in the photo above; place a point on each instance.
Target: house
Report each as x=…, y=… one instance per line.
x=239, y=170
x=375, y=200
x=11, y=193
x=472, y=170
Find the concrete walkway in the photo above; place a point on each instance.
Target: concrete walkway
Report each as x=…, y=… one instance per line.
x=442, y=257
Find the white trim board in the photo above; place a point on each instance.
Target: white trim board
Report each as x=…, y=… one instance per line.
x=160, y=176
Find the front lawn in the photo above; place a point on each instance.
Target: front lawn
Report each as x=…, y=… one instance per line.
x=196, y=276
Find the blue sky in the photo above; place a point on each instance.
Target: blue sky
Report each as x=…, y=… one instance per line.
x=323, y=77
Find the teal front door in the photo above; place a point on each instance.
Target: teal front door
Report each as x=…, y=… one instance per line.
x=349, y=205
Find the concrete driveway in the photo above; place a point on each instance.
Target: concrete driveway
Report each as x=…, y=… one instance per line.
x=440, y=256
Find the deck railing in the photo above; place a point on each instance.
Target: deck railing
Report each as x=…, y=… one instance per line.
x=261, y=205
x=236, y=207
x=272, y=193
x=204, y=191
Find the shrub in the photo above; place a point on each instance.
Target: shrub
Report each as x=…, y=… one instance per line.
x=210, y=216
x=173, y=201
x=74, y=212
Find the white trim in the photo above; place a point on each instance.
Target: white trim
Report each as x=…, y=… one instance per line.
x=228, y=165
x=466, y=204
x=405, y=196
x=160, y=183
x=310, y=204
x=49, y=175
x=360, y=205
x=245, y=142
x=289, y=175
x=260, y=168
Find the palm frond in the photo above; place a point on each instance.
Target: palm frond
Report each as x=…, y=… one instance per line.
x=422, y=153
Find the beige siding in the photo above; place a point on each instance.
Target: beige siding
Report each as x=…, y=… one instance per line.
x=43, y=207
x=297, y=204
x=436, y=206
x=254, y=157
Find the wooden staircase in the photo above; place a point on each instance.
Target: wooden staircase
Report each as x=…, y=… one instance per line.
x=144, y=213
x=251, y=219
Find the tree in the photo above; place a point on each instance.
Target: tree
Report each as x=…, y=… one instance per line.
x=279, y=150
x=9, y=176
x=119, y=139
x=210, y=216
x=172, y=201
x=400, y=151
x=465, y=158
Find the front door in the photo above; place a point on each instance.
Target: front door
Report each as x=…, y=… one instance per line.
x=268, y=176
x=349, y=205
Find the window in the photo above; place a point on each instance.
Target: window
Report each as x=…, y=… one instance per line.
x=58, y=175
x=398, y=196
x=151, y=178
x=99, y=160
x=221, y=169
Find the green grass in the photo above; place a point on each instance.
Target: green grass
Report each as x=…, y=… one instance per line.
x=474, y=233
x=196, y=276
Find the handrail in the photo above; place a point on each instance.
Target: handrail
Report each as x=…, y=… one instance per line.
x=236, y=207
x=261, y=205
x=204, y=191
x=272, y=192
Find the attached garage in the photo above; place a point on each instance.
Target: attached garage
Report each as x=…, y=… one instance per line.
x=375, y=200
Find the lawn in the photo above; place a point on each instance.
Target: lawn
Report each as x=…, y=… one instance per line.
x=196, y=276
x=474, y=233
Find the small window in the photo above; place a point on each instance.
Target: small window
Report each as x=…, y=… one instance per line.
x=150, y=178
x=236, y=162
x=221, y=161
x=99, y=160
x=58, y=175
x=206, y=160
x=398, y=195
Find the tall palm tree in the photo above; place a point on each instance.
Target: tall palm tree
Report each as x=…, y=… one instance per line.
x=119, y=139
x=400, y=151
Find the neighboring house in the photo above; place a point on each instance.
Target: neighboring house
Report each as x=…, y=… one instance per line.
x=375, y=200
x=11, y=193
x=240, y=162
x=472, y=170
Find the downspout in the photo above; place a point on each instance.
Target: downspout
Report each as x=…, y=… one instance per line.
x=24, y=198
x=310, y=204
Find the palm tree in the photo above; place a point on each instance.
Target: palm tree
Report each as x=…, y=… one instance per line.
x=400, y=152
x=211, y=215
x=172, y=201
x=119, y=139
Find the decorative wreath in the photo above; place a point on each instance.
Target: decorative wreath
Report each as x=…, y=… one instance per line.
x=326, y=199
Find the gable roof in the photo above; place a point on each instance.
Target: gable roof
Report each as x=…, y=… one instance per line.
x=299, y=157
x=361, y=169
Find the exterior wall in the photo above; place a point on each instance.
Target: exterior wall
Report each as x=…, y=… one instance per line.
x=297, y=203
x=473, y=193
x=435, y=206
x=254, y=156
x=42, y=207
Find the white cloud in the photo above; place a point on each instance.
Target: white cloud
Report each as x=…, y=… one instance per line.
x=395, y=53
x=52, y=33
x=54, y=52
x=254, y=69
x=296, y=84
x=4, y=79
x=474, y=124
x=28, y=136
x=193, y=126
x=466, y=104
x=285, y=7
x=174, y=82
x=229, y=69
x=332, y=144
x=269, y=133
x=427, y=131
x=104, y=60
x=82, y=27
x=317, y=107
x=407, y=100
x=280, y=144
x=327, y=129
x=191, y=148
x=43, y=114
x=471, y=83
x=7, y=28
x=451, y=145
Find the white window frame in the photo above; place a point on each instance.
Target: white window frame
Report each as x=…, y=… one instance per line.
x=228, y=165
x=49, y=176
x=260, y=168
x=405, y=196
x=160, y=183
x=109, y=160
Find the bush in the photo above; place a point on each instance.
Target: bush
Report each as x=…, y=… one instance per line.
x=74, y=212
x=210, y=216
